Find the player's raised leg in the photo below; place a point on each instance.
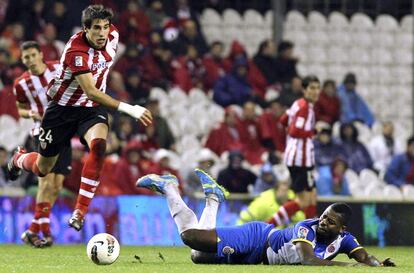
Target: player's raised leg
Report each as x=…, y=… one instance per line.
x=184, y=217
x=96, y=139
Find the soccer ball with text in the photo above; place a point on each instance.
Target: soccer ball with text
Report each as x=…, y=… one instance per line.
x=103, y=249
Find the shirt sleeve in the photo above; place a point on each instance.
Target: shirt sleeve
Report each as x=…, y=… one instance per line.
x=303, y=233
x=349, y=245
x=297, y=126
x=77, y=62
x=20, y=94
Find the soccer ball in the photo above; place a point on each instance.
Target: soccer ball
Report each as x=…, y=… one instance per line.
x=103, y=249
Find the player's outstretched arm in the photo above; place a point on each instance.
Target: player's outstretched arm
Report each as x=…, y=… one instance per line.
x=88, y=86
x=362, y=256
x=307, y=256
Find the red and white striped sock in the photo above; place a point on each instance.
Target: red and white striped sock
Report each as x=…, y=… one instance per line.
x=27, y=162
x=41, y=218
x=90, y=174
x=285, y=212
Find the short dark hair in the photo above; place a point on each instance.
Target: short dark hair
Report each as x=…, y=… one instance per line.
x=215, y=43
x=329, y=82
x=344, y=210
x=263, y=45
x=29, y=44
x=308, y=79
x=93, y=12
x=284, y=45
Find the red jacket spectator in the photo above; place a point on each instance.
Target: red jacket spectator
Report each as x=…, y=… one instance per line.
x=214, y=64
x=132, y=166
x=109, y=182
x=272, y=130
x=134, y=25
x=328, y=107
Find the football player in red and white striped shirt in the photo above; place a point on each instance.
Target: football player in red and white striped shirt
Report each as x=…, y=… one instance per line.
x=30, y=90
x=77, y=106
x=299, y=156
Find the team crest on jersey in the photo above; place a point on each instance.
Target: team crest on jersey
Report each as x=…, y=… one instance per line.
x=303, y=232
x=43, y=144
x=78, y=61
x=228, y=250
x=331, y=249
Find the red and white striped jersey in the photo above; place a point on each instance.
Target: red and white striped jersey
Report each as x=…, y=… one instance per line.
x=31, y=89
x=80, y=57
x=299, y=150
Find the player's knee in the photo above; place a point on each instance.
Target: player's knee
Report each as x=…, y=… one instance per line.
x=98, y=147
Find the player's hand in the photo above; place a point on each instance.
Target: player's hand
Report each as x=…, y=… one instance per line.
x=146, y=118
x=388, y=262
x=35, y=115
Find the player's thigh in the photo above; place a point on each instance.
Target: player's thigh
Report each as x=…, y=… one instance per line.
x=302, y=179
x=93, y=123
x=99, y=130
x=63, y=162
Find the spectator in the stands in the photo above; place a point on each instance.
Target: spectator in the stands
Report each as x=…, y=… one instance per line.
x=4, y=157
x=265, y=60
x=181, y=12
x=353, y=106
x=248, y=126
x=129, y=59
x=384, y=146
x=189, y=71
x=50, y=47
x=234, y=87
x=285, y=64
x=235, y=178
x=354, y=151
x=225, y=136
x=189, y=35
x=59, y=17
x=272, y=131
x=267, y=180
x=156, y=14
x=401, y=169
x=162, y=134
x=163, y=166
x=162, y=58
x=11, y=38
x=214, y=64
x=134, y=85
x=326, y=147
x=205, y=161
x=116, y=86
x=125, y=130
x=328, y=106
x=331, y=179
x=292, y=92
x=264, y=206
x=134, y=25
x=131, y=166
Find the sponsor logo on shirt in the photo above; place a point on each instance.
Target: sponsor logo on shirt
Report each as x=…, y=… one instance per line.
x=100, y=65
x=78, y=61
x=303, y=232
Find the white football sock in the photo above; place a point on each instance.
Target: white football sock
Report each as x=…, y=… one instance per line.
x=183, y=216
x=209, y=215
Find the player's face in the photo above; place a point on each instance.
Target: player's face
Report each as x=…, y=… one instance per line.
x=98, y=33
x=312, y=92
x=330, y=224
x=32, y=58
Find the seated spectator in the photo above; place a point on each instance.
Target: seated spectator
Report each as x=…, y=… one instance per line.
x=162, y=134
x=326, y=148
x=205, y=161
x=235, y=178
x=267, y=203
x=292, y=92
x=267, y=180
x=353, y=106
x=116, y=86
x=328, y=106
x=354, y=151
x=248, y=126
x=50, y=47
x=401, y=169
x=331, y=179
x=189, y=71
x=135, y=87
x=226, y=136
x=109, y=185
x=129, y=59
x=163, y=166
x=134, y=25
x=285, y=63
x=125, y=130
x=214, y=64
x=161, y=59
x=265, y=60
x=59, y=16
x=131, y=166
x=156, y=14
x=384, y=146
x=189, y=35
x=272, y=131
x=234, y=87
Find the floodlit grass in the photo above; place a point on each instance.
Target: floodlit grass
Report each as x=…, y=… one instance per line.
x=59, y=258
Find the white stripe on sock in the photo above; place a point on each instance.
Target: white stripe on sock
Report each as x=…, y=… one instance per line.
x=86, y=193
x=285, y=215
x=19, y=161
x=44, y=221
x=89, y=181
x=36, y=221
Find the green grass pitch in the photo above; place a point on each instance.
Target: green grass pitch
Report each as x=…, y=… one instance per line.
x=59, y=258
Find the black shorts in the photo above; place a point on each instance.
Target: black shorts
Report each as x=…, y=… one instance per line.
x=61, y=123
x=63, y=163
x=302, y=179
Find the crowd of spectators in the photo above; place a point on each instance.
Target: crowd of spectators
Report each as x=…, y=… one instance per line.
x=166, y=48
